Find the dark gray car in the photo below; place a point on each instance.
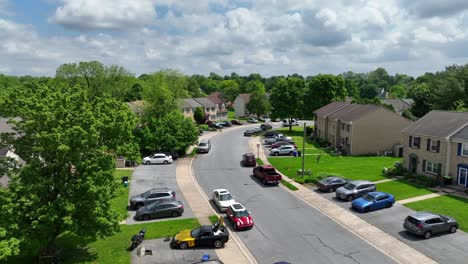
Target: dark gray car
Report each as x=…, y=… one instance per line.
x=355, y=189
x=158, y=210
x=151, y=196
x=426, y=224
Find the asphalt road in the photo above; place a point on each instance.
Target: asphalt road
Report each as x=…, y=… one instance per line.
x=146, y=177
x=443, y=248
x=286, y=229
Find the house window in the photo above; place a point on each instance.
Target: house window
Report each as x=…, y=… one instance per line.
x=347, y=141
x=433, y=145
x=207, y=109
x=342, y=126
x=464, y=151
x=347, y=128
x=432, y=167
x=415, y=142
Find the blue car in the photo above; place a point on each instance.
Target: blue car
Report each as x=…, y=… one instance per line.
x=373, y=201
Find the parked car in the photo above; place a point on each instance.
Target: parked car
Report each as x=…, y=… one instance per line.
x=236, y=122
x=173, y=154
x=267, y=174
x=283, y=150
x=271, y=133
x=158, y=158
x=239, y=216
x=265, y=127
x=214, y=125
x=292, y=122
x=330, y=184
x=275, y=138
x=252, y=120
x=215, y=235
x=248, y=159
x=160, y=209
x=373, y=201
x=223, y=199
x=427, y=224
x=225, y=123
x=204, y=146
x=249, y=132
x=354, y=189
x=151, y=196
x=282, y=143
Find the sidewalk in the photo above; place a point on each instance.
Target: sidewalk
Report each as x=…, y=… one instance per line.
x=234, y=251
x=387, y=244
x=419, y=198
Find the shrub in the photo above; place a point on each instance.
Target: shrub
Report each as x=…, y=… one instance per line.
x=300, y=180
x=204, y=127
x=309, y=130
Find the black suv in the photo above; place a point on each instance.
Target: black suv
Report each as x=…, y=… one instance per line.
x=272, y=133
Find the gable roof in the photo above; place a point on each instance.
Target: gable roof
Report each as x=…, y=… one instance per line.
x=400, y=105
x=216, y=97
x=189, y=103
x=354, y=112
x=438, y=123
x=245, y=97
x=462, y=134
x=205, y=101
x=330, y=108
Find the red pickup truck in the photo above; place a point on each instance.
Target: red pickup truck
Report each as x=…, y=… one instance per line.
x=267, y=174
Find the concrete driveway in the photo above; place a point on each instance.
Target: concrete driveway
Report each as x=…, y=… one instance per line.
x=163, y=254
x=146, y=177
x=443, y=248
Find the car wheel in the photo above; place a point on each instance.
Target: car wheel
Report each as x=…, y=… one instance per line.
x=138, y=205
x=166, y=162
x=350, y=198
x=218, y=243
x=175, y=214
x=389, y=205
x=183, y=245
x=146, y=217
x=330, y=190
x=148, y=163
x=365, y=209
x=453, y=229
x=427, y=234
x=276, y=153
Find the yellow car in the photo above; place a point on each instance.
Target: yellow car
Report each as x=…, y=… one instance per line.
x=215, y=235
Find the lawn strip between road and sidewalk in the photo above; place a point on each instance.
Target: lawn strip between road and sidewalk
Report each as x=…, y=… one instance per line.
x=453, y=206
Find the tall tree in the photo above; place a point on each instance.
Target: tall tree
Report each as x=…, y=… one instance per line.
x=199, y=115
x=421, y=96
x=397, y=91
x=230, y=90
x=258, y=103
x=323, y=89
x=69, y=141
x=286, y=98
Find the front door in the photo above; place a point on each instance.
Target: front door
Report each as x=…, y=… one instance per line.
x=413, y=164
x=463, y=176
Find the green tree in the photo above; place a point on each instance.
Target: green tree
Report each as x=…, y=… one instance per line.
x=258, y=103
x=323, y=89
x=193, y=87
x=352, y=89
x=230, y=90
x=286, y=98
x=135, y=93
x=421, y=96
x=397, y=91
x=254, y=86
x=69, y=141
x=199, y=115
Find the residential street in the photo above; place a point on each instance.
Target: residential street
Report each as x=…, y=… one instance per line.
x=286, y=228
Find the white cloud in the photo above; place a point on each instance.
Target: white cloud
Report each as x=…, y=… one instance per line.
x=104, y=14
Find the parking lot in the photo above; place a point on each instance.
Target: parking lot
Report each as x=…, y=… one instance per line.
x=146, y=177
x=443, y=248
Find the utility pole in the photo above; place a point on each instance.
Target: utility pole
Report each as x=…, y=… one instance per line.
x=303, y=149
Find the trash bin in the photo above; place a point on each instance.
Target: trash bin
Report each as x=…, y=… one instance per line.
x=295, y=153
x=299, y=153
x=125, y=181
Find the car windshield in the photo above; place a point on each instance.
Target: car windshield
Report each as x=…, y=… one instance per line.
x=225, y=197
x=327, y=180
x=202, y=144
x=195, y=232
x=241, y=213
x=368, y=197
x=145, y=194
x=349, y=186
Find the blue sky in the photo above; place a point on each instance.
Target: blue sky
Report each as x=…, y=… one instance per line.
x=274, y=37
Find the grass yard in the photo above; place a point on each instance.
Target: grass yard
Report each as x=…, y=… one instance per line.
x=402, y=190
x=355, y=168
x=231, y=115
x=120, y=202
x=450, y=205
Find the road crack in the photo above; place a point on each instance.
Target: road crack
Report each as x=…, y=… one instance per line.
x=334, y=251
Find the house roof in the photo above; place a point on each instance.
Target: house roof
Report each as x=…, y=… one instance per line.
x=5, y=127
x=400, y=105
x=137, y=106
x=205, y=101
x=438, y=123
x=330, y=108
x=354, y=112
x=3, y=151
x=216, y=97
x=189, y=103
x=4, y=181
x=245, y=97
x=462, y=134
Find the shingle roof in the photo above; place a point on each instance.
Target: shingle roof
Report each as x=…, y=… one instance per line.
x=353, y=112
x=3, y=151
x=205, y=101
x=438, y=123
x=245, y=97
x=189, y=103
x=5, y=127
x=462, y=134
x=216, y=97
x=137, y=106
x=400, y=105
x=330, y=108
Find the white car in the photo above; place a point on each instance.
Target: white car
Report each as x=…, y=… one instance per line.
x=158, y=158
x=286, y=122
x=283, y=150
x=223, y=199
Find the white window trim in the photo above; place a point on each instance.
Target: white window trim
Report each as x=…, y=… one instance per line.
x=464, y=147
x=433, y=145
x=459, y=175
x=432, y=168
x=412, y=142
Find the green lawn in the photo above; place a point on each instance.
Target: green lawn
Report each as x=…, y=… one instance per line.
x=452, y=206
x=120, y=202
x=402, y=190
x=356, y=168
x=231, y=115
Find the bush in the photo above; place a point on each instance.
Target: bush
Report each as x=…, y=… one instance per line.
x=309, y=130
x=204, y=127
x=300, y=180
